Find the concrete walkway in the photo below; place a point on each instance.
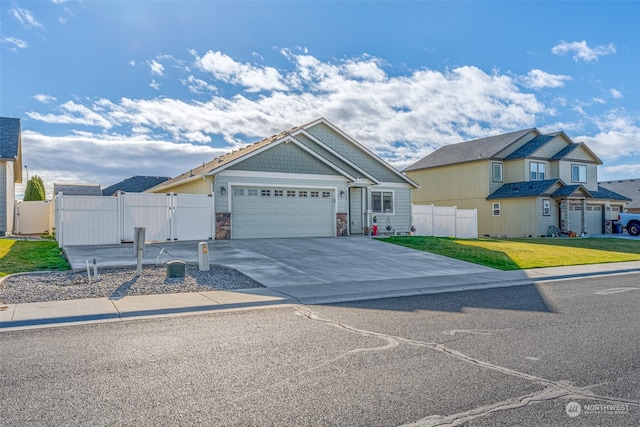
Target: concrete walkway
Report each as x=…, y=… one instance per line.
x=306, y=271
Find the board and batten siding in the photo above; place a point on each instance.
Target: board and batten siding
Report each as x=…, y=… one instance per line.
x=545, y=221
x=518, y=218
x=453, y=182
x=356, y=155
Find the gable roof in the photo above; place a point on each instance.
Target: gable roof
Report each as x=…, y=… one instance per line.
x=220, y=163
x=604, y=193
x=135, y=184
x=530, y=147
x=77, y=189
x=523, y=189
x=483, y=148
x=629, y=188
x=539, y=188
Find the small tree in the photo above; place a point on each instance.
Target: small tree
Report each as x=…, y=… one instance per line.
x=34, y=190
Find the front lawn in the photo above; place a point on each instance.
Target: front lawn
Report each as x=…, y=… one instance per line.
x=17, y=256
x=516, y=254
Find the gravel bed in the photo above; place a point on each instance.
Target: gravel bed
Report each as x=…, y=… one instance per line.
x=116, y=283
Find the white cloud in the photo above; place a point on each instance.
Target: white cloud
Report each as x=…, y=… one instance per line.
x=618, y=136
x=132, y=63
x=197, y=85
x=14, y=43
x=45, y=99
x=156, y=68
x=616, y=94
x=73, y=113
x=25, y=17
x=254, y=78
x=538, y=79
x=154, y=84
x=120, y=157
x=581, y=51
x=621, y=171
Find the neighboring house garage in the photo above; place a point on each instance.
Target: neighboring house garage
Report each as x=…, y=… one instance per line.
x=311, y=181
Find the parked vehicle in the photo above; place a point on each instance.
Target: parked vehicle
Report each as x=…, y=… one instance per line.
x=631, y=221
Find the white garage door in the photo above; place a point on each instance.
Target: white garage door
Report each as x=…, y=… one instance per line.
x=593, y=217
x=266, y=212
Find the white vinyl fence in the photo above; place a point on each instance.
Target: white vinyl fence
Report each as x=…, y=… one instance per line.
x=33, y=217
x=445, y=221
x=95, y=220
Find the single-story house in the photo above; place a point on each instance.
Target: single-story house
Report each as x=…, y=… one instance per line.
x=135, y=184
x=629, y=188
x=313, y=180
x=77, y=189
x=522, y=183
x=10, y=170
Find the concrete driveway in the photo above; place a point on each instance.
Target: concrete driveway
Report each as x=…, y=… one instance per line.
x=277, y=263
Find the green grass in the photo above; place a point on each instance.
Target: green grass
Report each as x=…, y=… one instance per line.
x=18, y=256
x=516, y=254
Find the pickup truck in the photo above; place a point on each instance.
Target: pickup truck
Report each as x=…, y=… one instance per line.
x=631, y=221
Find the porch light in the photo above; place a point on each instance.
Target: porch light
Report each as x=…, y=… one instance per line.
x=223, y=191
x=342, y=194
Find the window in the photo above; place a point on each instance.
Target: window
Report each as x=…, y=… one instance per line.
x=238, y=191
x=497, y=172
x=326, y=194
x=252, y=192
x=278, y=193
x=291, y=193
x=302, y=194
x=546, y=207
x=537, y=171
x=382, y=201
x=578, y=173
x=265, y=193
x=495, y=209
x=315, y=194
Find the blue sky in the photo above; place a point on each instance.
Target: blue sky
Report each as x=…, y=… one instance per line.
x=111, y=89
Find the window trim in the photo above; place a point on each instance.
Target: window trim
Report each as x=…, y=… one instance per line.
x=577, y=165
x=537, y=171
x=382, y=194
x=496, y=207
x=493, y=172
x=546, y=207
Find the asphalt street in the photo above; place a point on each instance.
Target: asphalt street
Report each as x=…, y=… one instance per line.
x=557, y=353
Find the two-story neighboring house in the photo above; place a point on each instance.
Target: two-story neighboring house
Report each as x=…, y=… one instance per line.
x=521, y=183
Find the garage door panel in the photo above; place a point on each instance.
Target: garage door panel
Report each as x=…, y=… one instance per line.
x=281, y=212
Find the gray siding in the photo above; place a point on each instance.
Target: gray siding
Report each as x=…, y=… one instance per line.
x=285, y=158
x=353, y=153
x=400, y=220
x=328, y=155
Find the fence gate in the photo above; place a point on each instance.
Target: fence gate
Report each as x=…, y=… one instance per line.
x=93, y=220
x=32, y=217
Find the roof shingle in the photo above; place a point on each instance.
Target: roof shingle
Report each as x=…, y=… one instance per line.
x=9, y=138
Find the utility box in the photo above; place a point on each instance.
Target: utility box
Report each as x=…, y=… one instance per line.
x=203, y=256
x=175, y=269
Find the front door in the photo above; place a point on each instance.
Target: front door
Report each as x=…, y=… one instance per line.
x=355, y=210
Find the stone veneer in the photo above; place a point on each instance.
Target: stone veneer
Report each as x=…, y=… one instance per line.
x=341, y=225
x=223, y=226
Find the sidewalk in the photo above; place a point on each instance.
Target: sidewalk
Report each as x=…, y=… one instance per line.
x=56, y=313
